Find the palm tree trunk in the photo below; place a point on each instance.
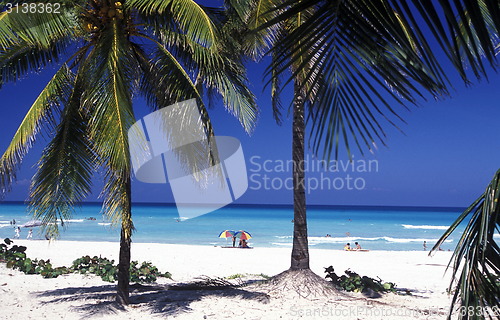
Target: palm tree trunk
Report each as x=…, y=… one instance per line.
x=300, y=250
x=122, y=294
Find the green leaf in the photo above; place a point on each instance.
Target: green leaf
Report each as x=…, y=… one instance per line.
x=476, y=258
x=43, y=111
x=188, y=14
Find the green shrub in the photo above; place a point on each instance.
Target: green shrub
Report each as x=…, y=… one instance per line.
x=102, y=267
x=108, y=271
x=353, y=282
x=15, y=257
x=145, y=273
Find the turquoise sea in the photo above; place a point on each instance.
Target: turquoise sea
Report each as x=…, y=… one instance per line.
x=375, y=228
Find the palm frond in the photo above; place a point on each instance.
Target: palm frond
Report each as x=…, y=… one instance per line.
x=188, y=14
x=176, y=125
x=113, y=75
x=41, y=113
x=159, y=92
x=475, y=26
x=117, y=200
x=476, y=258
x=259, y=13
x=359, y=58
x=64, y=173
x=219, y=69
x=22, y=58
x=7, y=35
x=39, y=29
x=168, y=66
x=276, y=87
x=227, y=78
x=372, y=54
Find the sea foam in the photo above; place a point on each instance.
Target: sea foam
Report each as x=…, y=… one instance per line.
x=317, y=240
x=410, y=226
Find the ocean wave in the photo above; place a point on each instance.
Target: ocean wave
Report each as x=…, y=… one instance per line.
x=496, y=236
x=283, y=237
x=74, y=220
x=286, y=244
x=181, y=218
x=104, y=223
x=410, y=226
x=403, y=240
x=339, y=239
x=5, y=225
x=316, y=240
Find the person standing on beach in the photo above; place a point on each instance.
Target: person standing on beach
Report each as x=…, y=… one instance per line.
x=30, y=235
x=234, y=241
x=425, y=246
x=18, y=233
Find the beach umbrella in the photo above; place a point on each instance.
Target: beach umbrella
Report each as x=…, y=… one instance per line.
x=32, y=223
x=243, y=235
x=226, y=234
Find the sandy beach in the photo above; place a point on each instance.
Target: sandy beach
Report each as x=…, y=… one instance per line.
x=85, y=296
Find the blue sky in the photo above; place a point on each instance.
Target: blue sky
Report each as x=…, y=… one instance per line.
x=448, y=153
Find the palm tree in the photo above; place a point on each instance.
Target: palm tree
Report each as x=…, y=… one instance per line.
x=346, y=75
x=467, y=32
x=106, y=53
x=256, y=45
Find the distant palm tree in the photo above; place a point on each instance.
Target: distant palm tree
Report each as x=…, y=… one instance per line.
x=106, y=53
x=371, y=58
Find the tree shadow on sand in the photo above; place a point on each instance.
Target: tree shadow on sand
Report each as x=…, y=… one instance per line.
x=166, y=300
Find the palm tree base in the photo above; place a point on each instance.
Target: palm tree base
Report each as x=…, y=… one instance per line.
x=300, y=282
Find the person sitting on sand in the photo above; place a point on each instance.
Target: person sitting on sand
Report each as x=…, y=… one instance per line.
x=358, y=247
x=243, y=243
x=347, y=247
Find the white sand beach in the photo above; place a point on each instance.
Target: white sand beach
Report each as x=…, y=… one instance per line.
x=86, y=296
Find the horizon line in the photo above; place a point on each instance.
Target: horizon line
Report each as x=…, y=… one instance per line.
x=269, y=204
